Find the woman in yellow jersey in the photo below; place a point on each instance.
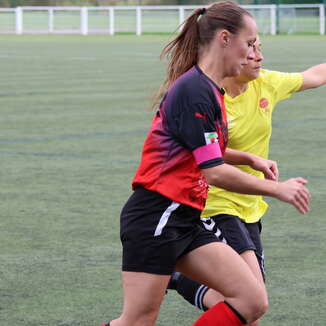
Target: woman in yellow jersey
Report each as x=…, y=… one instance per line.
x=235, y=218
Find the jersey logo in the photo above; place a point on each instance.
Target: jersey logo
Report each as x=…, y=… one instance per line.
x=199, y=115
x=263, y=103
x=211, y=137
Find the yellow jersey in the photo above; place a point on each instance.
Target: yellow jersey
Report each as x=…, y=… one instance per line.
x=250, y=129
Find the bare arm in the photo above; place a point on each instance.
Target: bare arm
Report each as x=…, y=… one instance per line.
x=268, y=167
x=235, y=157
x=292, y=191
x=314, y=77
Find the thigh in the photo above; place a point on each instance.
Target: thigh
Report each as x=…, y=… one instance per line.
x=143, y=295
x=219, y=267
x=250, y=258
x=244, y=238
x=254, y=230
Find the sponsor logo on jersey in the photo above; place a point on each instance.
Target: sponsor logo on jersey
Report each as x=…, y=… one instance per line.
x=263, y=103
x=199, y=115
x=211, y=137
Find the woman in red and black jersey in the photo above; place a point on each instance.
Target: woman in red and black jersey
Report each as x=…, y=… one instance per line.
x=182, y=155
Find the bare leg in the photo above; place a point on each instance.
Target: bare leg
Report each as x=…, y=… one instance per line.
x=143, y=294
x=220, y=268
x=212, y=297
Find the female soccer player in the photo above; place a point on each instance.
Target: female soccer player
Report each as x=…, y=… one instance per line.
x=235, y=218
x=182, y=154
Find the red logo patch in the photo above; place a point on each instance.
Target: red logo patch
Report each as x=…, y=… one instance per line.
x=199, y=115
x=263, y=103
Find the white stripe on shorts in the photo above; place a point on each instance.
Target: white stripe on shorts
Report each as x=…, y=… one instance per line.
x=165, y=217
x=209, y=224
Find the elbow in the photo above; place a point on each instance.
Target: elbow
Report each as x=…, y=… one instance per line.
x=214, y=176
x=209, y=180
x=213, y=180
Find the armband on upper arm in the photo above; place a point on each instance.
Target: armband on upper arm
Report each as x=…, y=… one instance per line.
x=207, y=153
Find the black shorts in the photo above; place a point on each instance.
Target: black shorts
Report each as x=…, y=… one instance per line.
x=155, y=231
x=237, y=234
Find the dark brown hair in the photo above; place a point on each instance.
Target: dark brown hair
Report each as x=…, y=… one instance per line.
x=198, y=30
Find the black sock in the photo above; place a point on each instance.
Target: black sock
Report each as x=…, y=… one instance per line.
x=192, y=291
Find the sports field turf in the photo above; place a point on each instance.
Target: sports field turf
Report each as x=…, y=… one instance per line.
x=72, y=124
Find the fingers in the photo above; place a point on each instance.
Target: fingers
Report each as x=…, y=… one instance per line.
x=302, y=198
x=274, y=168
x=293, y=191
x=269, y=174
x=301, y=203
x=271, y=171
x=301, y=180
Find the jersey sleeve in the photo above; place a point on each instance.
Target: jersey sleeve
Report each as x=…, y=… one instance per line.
x=195, y=128
x=284, y=83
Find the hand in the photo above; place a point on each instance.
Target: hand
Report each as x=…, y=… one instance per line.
x=268, y=167
x=293, y=191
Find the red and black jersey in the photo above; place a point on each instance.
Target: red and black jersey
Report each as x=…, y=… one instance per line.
x=188, y=133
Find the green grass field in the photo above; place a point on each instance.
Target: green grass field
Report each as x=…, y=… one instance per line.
x=73, y=119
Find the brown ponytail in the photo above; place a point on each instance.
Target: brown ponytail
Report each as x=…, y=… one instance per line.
x=182, y=52
x=197, y=30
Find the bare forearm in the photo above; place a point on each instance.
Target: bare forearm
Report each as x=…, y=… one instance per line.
x=235, y=157
x=233, y=179
x=292, y=191
x=314, y=77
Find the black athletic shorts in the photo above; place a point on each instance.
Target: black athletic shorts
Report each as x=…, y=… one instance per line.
x=237, y=234
x=155, y=231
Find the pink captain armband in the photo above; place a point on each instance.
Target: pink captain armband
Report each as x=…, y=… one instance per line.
x=207, y=152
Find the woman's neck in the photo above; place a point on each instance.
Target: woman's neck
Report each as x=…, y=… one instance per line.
x=213, y=68
x=234, y=86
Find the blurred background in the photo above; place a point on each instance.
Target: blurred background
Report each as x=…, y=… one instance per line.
x=15, y=3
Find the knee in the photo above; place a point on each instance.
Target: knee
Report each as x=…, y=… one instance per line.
x=258, y=308
x=255, y=323
x=148, y=317
x=144, y=317
x=144, y=320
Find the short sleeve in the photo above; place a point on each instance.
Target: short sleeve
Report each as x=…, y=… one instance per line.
x=195, y=128
x=285, y=84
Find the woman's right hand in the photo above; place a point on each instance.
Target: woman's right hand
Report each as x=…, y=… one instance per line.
x=293, y=191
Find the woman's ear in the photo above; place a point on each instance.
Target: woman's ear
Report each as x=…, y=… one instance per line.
x=223, y=37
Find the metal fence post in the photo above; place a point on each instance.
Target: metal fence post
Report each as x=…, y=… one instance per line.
x=181, y=15
x=273, y=20
x=19, y=20
x=84, y=20
x=111, y=21
x=50, y=20
x=138, y=21
x=321, y=20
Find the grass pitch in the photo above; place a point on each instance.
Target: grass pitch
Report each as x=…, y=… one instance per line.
x=73, y=121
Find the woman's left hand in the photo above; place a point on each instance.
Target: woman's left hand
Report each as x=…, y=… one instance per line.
x=268, y=167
